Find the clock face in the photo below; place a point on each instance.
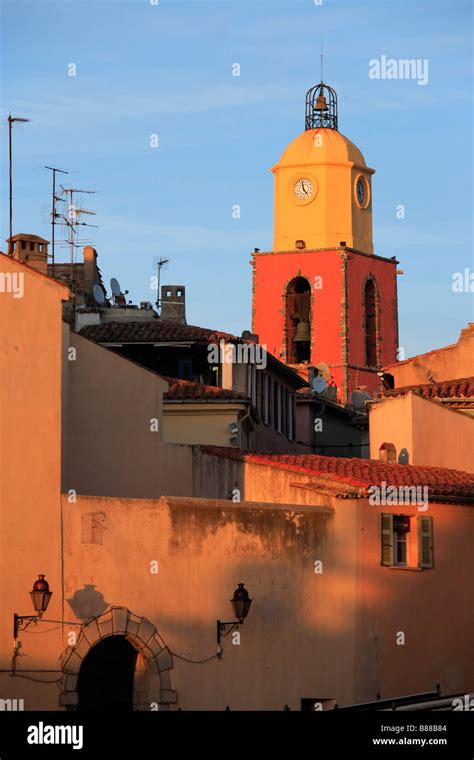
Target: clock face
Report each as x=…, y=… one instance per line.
x=303, y=189
x=360, y=190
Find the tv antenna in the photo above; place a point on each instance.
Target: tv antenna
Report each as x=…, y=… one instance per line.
x=160, y=264
x=72, y=220
x=11, y=120
x=53, y=210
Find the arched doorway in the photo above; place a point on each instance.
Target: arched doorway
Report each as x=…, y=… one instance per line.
x=105, y=681
x=298, y=321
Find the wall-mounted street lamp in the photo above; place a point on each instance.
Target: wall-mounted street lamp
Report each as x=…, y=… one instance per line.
x=40, y=596
x=241, y=605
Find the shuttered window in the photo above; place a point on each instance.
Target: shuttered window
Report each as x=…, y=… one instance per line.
x=425, y=541
x=386, y=530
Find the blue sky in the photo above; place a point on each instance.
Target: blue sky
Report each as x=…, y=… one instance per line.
x=166, y=69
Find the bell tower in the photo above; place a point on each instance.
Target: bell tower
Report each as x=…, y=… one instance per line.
x=321, y=296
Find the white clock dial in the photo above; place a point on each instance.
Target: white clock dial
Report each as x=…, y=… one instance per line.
x=303, y=189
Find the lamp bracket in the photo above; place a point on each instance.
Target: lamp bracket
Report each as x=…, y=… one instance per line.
x=22, y=622
x=223, y=629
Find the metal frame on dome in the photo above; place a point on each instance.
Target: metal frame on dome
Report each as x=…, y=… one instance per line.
x=315, y=117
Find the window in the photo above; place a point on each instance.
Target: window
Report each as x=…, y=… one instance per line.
x=168, y=294
x=289, y=415
x=23, y=245
x=283, y=411
x=32, y=246
x=371, y=337
x=406, y=541
x=252, y=383
x=40, y=247
x=278, y=409
x=266, y=399
x=179, y=293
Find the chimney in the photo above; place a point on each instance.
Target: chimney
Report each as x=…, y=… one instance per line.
x=173, y=303
x=388, y=453
x=91, y=275
x=31, y=250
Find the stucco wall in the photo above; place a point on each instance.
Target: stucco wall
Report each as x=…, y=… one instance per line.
x=433, y=435
x=298, y=640
x=380, y=599
x=109, y=446
x=30, y=466
x=433, y=608
x=448, y=363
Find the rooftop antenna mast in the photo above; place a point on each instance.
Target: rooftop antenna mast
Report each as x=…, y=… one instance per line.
x=321, y=62
x=72, y=222
x=160, y=264
x=11, y=121
x=53, y=210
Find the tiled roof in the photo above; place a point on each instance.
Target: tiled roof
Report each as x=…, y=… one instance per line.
x=460, y=391
x=31, y=238
x=185, y=390
x=152, y=331
x=352, y=477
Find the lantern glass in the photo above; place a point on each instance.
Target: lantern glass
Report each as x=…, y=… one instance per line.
x=41, y=595
x=241, y=602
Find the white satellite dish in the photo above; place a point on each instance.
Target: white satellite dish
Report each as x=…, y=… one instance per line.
x=98, y=294
x=359, y=398
x=319, y=384
x=115, y=286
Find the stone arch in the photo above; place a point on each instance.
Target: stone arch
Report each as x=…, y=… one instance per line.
x=154, y=661
x=371, y=321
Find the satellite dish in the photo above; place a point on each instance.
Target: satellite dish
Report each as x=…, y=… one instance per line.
x=319, y=384
x=115, y=286
x=359, y=398
x=98, y=294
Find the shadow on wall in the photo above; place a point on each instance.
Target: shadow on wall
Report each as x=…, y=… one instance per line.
x=87, y=602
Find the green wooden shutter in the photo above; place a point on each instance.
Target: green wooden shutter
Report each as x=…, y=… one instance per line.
x=386, y=539
x=425, y=542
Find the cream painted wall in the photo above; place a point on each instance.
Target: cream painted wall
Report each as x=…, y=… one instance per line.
x=202, y=423
x=434, y=435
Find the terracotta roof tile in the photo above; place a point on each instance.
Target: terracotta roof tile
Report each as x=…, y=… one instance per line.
x=185, y=390
x=443, y=483
x=152, y=331
x=460, y=389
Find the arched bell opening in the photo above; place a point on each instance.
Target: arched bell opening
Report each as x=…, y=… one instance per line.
x=298, y=321
x=370, y=327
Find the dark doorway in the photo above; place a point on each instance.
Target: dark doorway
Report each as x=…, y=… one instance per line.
x=106, y=676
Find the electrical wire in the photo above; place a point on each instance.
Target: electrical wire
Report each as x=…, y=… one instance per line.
x=195, y=662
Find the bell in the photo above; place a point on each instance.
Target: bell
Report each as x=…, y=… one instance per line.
x=320, y=104
x=303, y=333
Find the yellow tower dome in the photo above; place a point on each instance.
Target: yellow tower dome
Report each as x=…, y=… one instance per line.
x=322, y=184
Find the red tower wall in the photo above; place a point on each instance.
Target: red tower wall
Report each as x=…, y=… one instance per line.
x=383, y=272
x=337, y=309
